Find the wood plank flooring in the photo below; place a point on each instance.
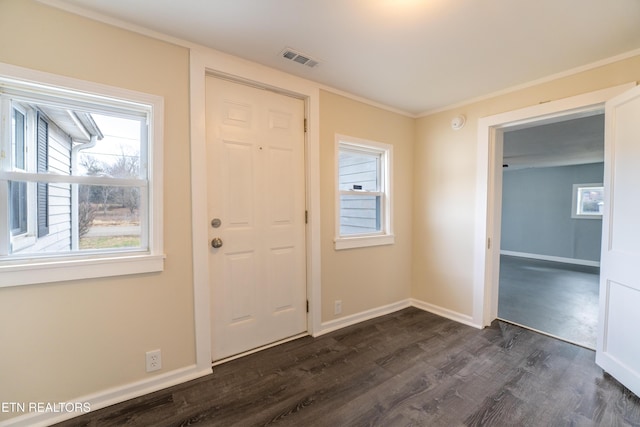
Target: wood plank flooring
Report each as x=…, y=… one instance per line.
x=409, y=368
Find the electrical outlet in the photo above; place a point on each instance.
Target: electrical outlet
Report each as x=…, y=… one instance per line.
x=154, y=360
x=337, y=307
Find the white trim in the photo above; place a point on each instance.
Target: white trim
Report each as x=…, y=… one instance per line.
x=205, y=61
x=343, y=322
x=111, y=396
x=574, y=201
x=489, y=195
x=563, y=260
x=47, y=84
x=353, y=242
x=385, y=236
x=532, y=83
x=200, y=231
x=446, y=313
x=28, y=272
x=119, y=23
x=96, y=16
x=369, y=102
x=52, y=177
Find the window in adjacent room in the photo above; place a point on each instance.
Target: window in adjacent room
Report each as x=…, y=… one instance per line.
x=363, y=213
x=80, y=176
x=588, y=201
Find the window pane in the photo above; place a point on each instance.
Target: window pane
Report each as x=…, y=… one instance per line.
x=49, y=218
x=359, y=171
x=18, y=207
x=116, y=152
x=359, y=214
x=109, y=217
x=590, y=200
x=18, y=123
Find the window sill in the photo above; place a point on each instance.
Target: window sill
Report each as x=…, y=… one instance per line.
x=363, y=241
x=32, y=273
x=576, y=216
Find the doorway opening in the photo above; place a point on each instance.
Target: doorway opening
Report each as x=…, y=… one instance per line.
x=550, y=248
x=619, y=290
x=488, y=210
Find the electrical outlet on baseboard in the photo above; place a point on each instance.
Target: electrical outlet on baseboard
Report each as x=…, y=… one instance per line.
x=154, y=360
x=337, y=307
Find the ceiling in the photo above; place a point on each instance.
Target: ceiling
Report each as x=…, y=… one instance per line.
x=568, y=142
x=415, y=56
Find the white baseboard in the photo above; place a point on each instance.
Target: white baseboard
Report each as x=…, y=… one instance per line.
x=445, y=312
x=334, y=325
x=552, y=258
x=120, y=394
x=110, y=397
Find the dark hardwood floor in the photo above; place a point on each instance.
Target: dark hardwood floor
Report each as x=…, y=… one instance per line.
x=410, y=368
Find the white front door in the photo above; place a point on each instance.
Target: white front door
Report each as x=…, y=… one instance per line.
x=256, y=189
x=618, y=346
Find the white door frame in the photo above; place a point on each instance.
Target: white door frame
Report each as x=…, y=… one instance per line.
x=203, y=62
x=489, y=186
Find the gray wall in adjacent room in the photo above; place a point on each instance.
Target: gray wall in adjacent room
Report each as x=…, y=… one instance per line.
x=536, y=212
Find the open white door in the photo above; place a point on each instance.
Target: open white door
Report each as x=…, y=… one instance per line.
x=618, y=347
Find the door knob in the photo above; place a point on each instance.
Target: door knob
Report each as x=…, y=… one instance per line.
x=216, y=242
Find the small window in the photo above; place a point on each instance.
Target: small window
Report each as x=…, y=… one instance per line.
x=588, y=201
x=363, y=216
x=80, y=173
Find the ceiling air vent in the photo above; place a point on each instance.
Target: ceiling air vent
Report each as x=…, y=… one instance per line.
x=298, y=57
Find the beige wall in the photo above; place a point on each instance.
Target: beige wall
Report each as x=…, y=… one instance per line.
x=65, y=340
x=445, y=183
x=365, y=278
x=69, y=340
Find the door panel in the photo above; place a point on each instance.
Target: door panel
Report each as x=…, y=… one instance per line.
x=618, y=350
x=281, y=275
x=239, y=185
x=282, y=188
x=256, y=187
x=241, y=275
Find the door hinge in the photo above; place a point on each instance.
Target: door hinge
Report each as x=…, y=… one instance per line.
x=305, y=125
x=307, y=306
x=306, y=217
x=489, y=243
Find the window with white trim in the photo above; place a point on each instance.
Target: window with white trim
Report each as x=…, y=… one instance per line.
x=363, y=196
x=588, y=201
x=80, y=174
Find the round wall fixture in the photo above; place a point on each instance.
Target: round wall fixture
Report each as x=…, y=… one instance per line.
x=458, y=122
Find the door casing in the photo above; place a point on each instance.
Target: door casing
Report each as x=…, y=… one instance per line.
x=207, y=62
x=489, y=186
